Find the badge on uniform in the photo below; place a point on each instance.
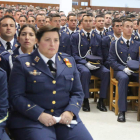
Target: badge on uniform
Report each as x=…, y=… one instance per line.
x=10, y=51
x=16, y=45
x=0, y=45
x=59, y=58
x=67, y=62
x=132, y=42
x=36, y=58
x=121, y=42
x=104, y=33
x=82, y=34
x=35, y=72
x=113, y=38
x=136, y=37
x=27, y=64
x=110, y=29
x=68, y=33
x=93, y=35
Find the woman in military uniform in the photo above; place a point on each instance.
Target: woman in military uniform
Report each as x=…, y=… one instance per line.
x=46, y=93
x=27, y=40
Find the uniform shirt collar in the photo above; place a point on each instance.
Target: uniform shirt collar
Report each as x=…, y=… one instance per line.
x=70, y=31
x=106, y=28
x=45, y=59
x=116, y=37
x=125, y=40
x=4, y=43
x=20, y=51
x=99, y=31
x=85, y=32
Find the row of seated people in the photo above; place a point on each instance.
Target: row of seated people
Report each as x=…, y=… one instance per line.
x=79, y=44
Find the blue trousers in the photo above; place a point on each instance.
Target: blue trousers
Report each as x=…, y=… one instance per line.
x=3, y=135
x=85, y=74
x=123, y=80
x=56, y=132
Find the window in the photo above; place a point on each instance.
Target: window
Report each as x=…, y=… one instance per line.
x=84, y=3
x=74, y=3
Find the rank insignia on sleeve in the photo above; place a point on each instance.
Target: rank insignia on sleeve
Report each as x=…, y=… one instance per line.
x=82, y=34
x=27, y=64
x=132, y=42
x=93, y=35
x=16, y=45
x=35, y=72
x=121, y=42
x=36, y=58
x=67, y=62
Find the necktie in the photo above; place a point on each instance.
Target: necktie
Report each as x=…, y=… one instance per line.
x=8, y=46
x=106, y=30
x=88, y=36
x=72, y=33
x=51, y=67
x=127, y=42
x=101, y=34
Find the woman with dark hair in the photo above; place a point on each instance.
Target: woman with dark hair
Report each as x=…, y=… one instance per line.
x=22, y=20
x=46, y=93
x=27, y=40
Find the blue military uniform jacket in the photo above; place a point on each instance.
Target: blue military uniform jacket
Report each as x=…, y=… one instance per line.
x=7, y=59
x=124, y=52
x=106, y=42
x=64, y=43
x=135, y=36
x=33, y=89
x=3, y=101
x=104, y=34
x=85, y=45
x=110, y=32
x=15, y=45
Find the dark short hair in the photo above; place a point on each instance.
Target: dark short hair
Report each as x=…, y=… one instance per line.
x=40, y=15
x=68, y=17
x=32, y=17
x=8, y=11
x=54, y=15
x=87, y=15
x=1, y=8
x=30, y=26
x=101, y=16
x=126, y=21
x=18, y=11
x=80, y=22
x=29, y=11
x=23, y=16
x=7, y=16
x=115, y=20
x=45, y=29
x=138, y=21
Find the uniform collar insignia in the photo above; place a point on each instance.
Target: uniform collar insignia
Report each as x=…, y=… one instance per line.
x=136, y=37
x=68, y=33
x=59, y=58
x=93, y=34
x=82, y=34
x=110, y=29
x=113, y=38
x=121, y=42
x=132, y=42
x=16, y=45
x=36, y=58
x=0, y=45
x=104, y=33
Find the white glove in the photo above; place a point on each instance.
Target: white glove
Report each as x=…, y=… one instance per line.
x=128, y=71
x=59, y=118
x=91, y=67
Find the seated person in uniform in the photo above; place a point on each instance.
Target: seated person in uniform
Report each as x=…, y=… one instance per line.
x=89, y=41
x=120, y=53
x=46, y=93
x=3, y=105
x=7, y=31
x=22, y=20
x=27, y=40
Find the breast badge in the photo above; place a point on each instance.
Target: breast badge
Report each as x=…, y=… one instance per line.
x=35, y=72
x=66, y=60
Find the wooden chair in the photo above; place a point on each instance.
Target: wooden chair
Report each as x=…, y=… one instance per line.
x=95, y=88
x=114, y=82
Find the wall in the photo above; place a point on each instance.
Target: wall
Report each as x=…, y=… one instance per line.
x=116, y=3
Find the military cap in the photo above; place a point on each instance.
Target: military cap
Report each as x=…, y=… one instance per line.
x=133, y=65
x=94, y=60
